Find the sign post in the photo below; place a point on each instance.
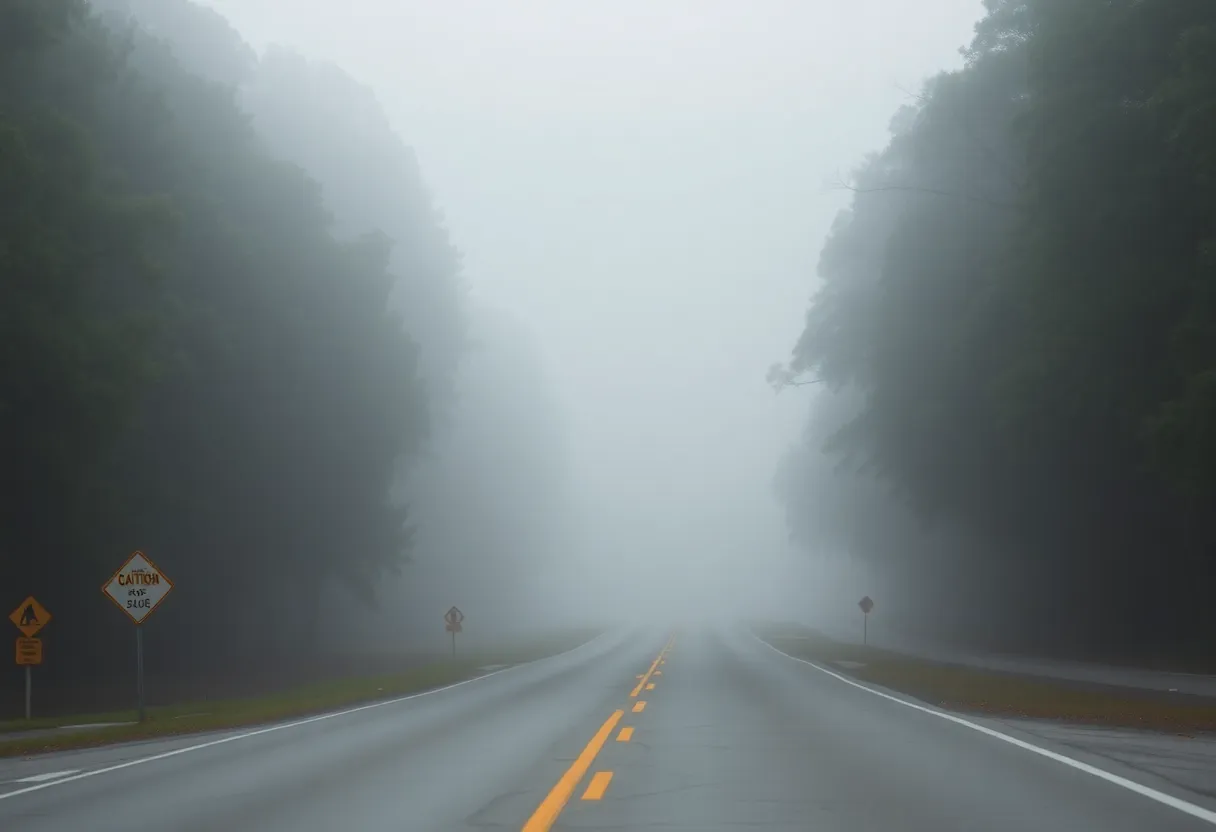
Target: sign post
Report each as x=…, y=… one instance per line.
x=452, y=621
x=139, y=669
x=138, y=587
x=29, y=618
x=866, y=604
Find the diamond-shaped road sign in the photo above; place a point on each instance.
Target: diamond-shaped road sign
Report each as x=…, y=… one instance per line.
x=138, y=587
x=451, y=623
x=866, y=604
x=30, y=616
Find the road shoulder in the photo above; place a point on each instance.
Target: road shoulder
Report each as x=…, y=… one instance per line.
x=195, y=720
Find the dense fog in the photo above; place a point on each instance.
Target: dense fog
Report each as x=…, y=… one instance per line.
x=582, y=314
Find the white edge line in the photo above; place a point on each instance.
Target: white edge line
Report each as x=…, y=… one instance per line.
x=1181, y=805
x=50, y=775
x=282, y=726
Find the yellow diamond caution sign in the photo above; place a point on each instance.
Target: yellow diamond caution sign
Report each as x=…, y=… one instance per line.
x=30, y=616
x=138, y=587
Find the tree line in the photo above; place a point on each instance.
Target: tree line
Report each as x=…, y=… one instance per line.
x=204, y=354
x=1016, y=338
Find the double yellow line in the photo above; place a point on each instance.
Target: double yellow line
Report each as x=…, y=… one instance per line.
x=546, y=813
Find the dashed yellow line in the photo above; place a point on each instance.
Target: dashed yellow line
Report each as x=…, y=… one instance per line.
x=653, y=666
x=546, y=813
x=598, y=785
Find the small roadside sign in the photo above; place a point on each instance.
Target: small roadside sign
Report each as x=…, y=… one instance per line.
x=138, y=587
x=30, y=616
x=866, y=603
x=452, y=620
x=29, y=651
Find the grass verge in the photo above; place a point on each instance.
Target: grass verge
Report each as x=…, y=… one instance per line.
x=56, y=734
x=992, y=693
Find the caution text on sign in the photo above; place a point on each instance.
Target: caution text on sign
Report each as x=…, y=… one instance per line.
x=138, y=587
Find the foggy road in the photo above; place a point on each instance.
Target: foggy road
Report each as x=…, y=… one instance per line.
x=732, y=735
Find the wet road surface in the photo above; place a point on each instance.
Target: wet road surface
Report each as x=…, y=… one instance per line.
x=703, y=729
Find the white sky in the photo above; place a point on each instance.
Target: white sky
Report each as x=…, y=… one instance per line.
x=645, y=183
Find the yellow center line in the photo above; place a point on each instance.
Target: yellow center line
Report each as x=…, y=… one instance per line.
x=653, y=666
x=598, y=785
x=546, y=813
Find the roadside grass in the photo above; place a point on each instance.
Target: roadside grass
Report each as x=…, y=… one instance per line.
x=534, y=648
x=294, y=703
x=993, y=693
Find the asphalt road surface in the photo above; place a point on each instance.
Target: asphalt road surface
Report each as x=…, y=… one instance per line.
x=732, y=736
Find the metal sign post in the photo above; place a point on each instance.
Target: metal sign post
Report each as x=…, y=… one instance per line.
x=139, y=668
x=29, y=618
x=29, y=653
x=138, y=588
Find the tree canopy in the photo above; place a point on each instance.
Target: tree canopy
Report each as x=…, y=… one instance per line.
x=234, y=336
x=198, y=361
x=1017, y=310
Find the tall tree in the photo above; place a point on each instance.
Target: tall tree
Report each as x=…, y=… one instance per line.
x=1021, y=289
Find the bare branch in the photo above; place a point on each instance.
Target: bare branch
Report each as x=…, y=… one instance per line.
x=780, y=376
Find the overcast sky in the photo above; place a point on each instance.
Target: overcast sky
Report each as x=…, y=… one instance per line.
x=645, y=183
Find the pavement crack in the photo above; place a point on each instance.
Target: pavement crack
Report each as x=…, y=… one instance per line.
x=1158, y=770
x=478, y=818
x=687, y=787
